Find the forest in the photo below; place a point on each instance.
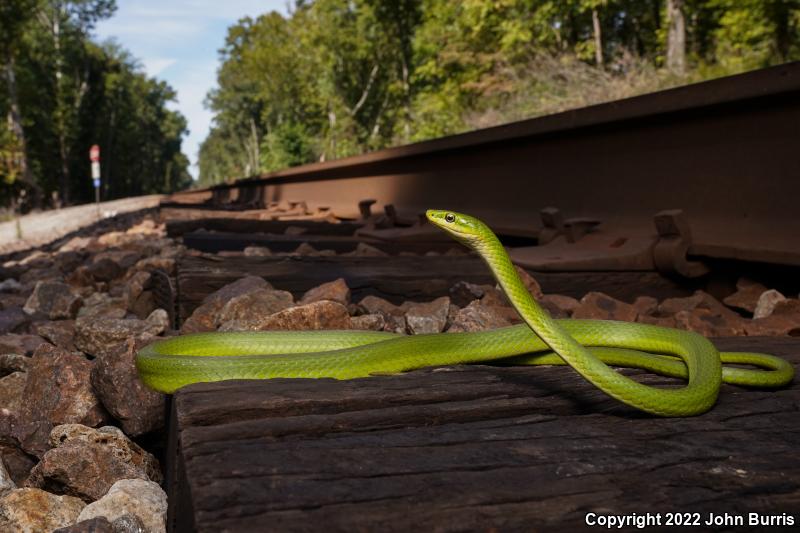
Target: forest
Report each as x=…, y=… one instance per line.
x=62, y=92
x=335, y=78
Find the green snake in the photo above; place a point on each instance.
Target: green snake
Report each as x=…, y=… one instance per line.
x=588, y=346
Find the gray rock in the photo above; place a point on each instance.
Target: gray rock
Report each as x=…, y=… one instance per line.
x=103, y=305
x=85, y=462
x=53, y=299
x=477, y=317
x=766, y=303
x=31, y=510
x=18, y=464
x=317, y=315
x=143, y=499
x=430, y=317
x=116, y=382
x=57, y=391
x=746, y=295
x=13, y=319
x=10, y=285
x=335, y=291
x=128, y=523
x=99, y=524
x=98, y=336
x=110, y=265
x=12, y=362
x=204, y=318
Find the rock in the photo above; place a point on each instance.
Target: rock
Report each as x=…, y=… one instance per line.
x=774, y=325
x=137, y=283
x=204, y=318
x=12, y=319
x=6, y=483
x=61, y=333
x=110, y=265
x=254, y=306
x=317, y=315
x=428, y=317
x=57, y=391
x=462, y=293
x=395, y=324
x=128, y=523
x=80, y=277
x=662, y=321
x=144, y=304
x=335, y=291
x=149, y=264
x=699, y=299
x=11, y=387
x=69, y=261
x=53, y=299
x=12, y=362
x=710, y=323
x=374, y=322
x=10, y=285
x=85, y=462
x=766, y=303
x=377, y=305
x=596, y=305
x=31, y=510
x=98, y=524
x=116, y=382
x=18, y=464
x=477, y=317
x=142, y=499
x=366, y=250
x=98, y=336
x=20, y=343
x=103, y=305
x=530, y=282
x=257, y=251
x=746, y=295
x=307, y=249
x=559, y=306
x=79, y=243
x=645, y=305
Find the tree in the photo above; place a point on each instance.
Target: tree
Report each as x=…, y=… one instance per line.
x=676, y=37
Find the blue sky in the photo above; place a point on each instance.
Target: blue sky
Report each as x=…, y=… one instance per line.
x=177, y=41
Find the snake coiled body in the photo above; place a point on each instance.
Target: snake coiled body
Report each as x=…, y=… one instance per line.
x=588, y=346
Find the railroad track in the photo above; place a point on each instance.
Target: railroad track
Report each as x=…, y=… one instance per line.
x=655, y=196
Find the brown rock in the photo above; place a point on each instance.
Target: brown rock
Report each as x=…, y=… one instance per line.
x=149, y=264
x=53, y=299
x=430, y=317
x=367, y=250
x=306, y=249
x=69, y=261
x=85, y=462
x=13, y=319
x=61, y=333
x=80, y=277
x=317, y=315
x=17, y=463
x=377, y=305
x=767, y=302
x=335, y=291
x=774, y=325
x=98, y=336
x=710, y=323
x=32, y=510
x=204, y=318
x=477, y=317
x=374, y=322
x=699, y=299
x=254, y=306
x=257, y=251
x=116, y=382
x=746, y=296
x=11, y=387
x=103, y=305
x=20, y=343
x=530, y=282
x=462, y=293
x=30, y=277
x=559, y=306
x=110, y=265
x=596, y=305
x=395, y=324
x=137, y=283
x=10, y=285
x=662, y=321
x=98, y=524
x=645, y=305
x=57, y=391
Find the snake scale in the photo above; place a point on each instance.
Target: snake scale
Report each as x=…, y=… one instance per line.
x=588, y=346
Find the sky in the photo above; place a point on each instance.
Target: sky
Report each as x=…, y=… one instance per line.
x=177, y=41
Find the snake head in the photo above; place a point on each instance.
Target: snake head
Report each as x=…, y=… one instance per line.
x=464, y=228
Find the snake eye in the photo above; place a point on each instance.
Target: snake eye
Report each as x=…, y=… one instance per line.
x=450, y=217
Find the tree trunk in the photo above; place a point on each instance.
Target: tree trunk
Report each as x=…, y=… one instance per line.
x=676, y=37
x=598, y=38
x=60, y=105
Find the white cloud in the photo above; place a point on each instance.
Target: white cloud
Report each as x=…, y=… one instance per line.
x=154, y=66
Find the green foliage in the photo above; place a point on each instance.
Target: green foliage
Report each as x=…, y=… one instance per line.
x=71, y=93
x=341, y=77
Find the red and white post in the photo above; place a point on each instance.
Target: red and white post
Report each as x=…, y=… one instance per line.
x=94, y=157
